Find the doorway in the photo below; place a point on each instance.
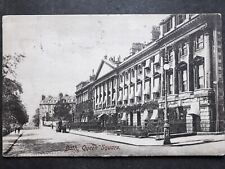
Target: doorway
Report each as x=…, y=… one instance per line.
x=196, y=123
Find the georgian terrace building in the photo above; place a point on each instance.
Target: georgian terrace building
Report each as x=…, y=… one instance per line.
x=84, y=97
x=47, y=104
x=192, y=45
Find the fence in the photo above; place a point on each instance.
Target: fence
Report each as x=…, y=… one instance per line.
x=154, y=128
x=86, y=126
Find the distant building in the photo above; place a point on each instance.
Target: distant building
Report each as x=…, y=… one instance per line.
x=48, y=103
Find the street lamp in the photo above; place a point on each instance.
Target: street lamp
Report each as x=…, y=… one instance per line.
x=166, y=121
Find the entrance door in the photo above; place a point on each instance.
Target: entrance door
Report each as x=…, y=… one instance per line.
x=196, y=123
x=138, y=118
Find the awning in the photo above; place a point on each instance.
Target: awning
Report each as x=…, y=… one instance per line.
x=156, y=87
x=147, y=88
x=157, y=59
x=195, y=109
x=125, y=94
x=145, y=115
x=124, y=118
x=131, y=96
x=155, y=114
x=100, y=115
x=138, y=93
x=120, y=96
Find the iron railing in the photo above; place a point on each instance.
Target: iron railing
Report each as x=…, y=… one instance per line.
x=152, y=128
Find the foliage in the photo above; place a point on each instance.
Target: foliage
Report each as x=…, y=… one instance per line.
x=12, y=105
x=36, y=117
x=62, y=109
x=138, y=107
x=9, y=64
x=13, y=110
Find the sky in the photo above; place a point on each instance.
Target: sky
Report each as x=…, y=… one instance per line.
x=61, y=50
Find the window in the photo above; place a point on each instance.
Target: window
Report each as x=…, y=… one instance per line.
x=126, y=76
x=147, y=97
x=131, y=100
x=168, y=25
x=139, y=69
x=180, y=18
x=121, y=78
x=132, y=73
x=199, y=42
x=199, y=76
x=183, y=80
x=170, y=54
x=182, y=49
x=170, y=83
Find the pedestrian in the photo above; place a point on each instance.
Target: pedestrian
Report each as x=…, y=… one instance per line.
x=15, y=128
x=18, y=129
x=52, y=125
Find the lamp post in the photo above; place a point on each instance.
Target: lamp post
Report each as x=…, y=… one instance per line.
x=166, y=121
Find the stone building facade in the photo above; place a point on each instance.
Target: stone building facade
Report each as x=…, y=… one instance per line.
x=48, y=103
x=192, y=45
x=84, y=97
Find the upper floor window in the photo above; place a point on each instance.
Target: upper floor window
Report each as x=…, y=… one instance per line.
x=182, y=49
x=168, y=25
x=170, y=54
x=126, y=75
x=199, y=42
x=170, y=84
x=132, y=73
x=121, y=78
x=199, y=76
x=139, y=70
x=183, y=80
x=180, y=18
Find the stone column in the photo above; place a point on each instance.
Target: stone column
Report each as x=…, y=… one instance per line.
x=128, y=89
x=152, y=81
x=106, y=92
x=116, y=87
x=162, y=85
x=175, y=70
x=135, y=84
x=143, y=84
x=207, y=63
x=190, y=65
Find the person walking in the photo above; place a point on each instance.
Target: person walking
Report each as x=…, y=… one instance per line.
x=19, y=130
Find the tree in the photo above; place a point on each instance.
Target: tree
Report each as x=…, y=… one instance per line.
x=9, y=64
x=13, y=110
x=36, y=117
x=62, y=109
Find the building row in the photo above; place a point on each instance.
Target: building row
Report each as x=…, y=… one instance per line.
x=48, y=103
x=132, y=92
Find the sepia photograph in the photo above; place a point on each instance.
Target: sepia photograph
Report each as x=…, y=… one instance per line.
x=113, y=85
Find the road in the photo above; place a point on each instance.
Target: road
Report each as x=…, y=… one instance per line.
x=47, y=142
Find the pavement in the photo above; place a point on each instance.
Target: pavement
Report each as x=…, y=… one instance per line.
x=150, y=141
x=9, y=140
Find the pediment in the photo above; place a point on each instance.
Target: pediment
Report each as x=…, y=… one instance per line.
x=104, y=68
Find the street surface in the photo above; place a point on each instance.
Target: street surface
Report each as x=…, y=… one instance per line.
x=47, y=142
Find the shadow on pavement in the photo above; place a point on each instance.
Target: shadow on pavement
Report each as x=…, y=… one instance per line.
x=39, y=146
x=195, y=142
